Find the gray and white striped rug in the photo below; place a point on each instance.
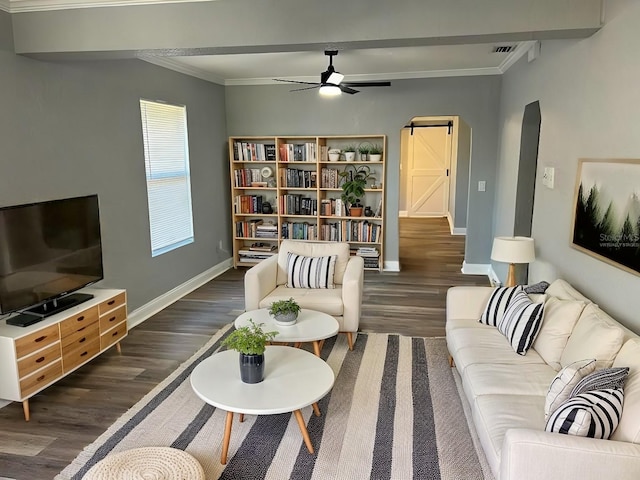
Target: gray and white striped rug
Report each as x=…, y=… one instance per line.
x=393, y=413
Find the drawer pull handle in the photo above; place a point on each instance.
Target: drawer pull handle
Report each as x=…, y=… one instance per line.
x=114, y=334
x=112, y=318
x=111, y=302
x=83, y=354
x=41, y=359
x=82, y=339
x=80, y=318
x=40, y=378
x=39, y=339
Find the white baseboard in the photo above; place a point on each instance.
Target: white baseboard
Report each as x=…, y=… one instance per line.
x=146, y=311
x=493, y=277
x=391, y=266
x=475, y=268
x=459, y=231
x=403, y=213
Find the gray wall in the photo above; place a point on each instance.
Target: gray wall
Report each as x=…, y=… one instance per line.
x=74, y=129
x=462, y=174
x=589, y=99
x=273, y=110
x=6, y=32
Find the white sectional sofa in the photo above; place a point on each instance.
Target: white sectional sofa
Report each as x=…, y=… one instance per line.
x=507, y=391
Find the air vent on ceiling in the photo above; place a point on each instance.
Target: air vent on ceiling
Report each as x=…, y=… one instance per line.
x=504, y=48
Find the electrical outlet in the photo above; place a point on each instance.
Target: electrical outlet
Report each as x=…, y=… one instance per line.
x=482, y=186
x=220, y=245
x=548, y=177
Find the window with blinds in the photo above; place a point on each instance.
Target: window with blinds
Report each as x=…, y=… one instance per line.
x=166, y=161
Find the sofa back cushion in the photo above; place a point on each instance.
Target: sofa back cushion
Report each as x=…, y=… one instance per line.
x=310, y=249
x=560, y=317
x=629, y=428
x=596, y=335
x=564, y=291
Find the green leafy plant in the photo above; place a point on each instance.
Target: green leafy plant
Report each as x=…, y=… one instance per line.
x=349, y=148
x=250, y=340
x=364, y=149
x=356, y=178
x=376, y=149
x=284, y=306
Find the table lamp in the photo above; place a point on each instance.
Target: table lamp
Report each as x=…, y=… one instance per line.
x=513, y=250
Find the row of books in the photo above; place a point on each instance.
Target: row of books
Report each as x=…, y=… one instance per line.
x=332, y=207
x=298, y=152
x=253, y=256
x=351, y=231
x=370, y=255
x=254, y=152
x=295, y=178
x=247, y=228
x=299, y=231
x=244, y=177
x=330, y=178
x=247, y=204
x=267, y=230
x=296, y=204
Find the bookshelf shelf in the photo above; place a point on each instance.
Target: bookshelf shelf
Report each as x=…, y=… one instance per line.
x=303, y=162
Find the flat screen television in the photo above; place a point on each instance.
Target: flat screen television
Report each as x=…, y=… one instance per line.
x=47, y=251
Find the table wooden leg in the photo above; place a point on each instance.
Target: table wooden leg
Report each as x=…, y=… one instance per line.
x=303, y=430
x=298, y=344
x=241, y=417
x=316, y=409
x=227, y=437
x=25, y=408
x=316, y=348
x=118, y=347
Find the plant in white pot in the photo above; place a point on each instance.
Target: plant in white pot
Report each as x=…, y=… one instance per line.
x=349, y=153
x=356, y=177
x=250, y=342
x=285, y=312
x=334, y=154
x=375, y=153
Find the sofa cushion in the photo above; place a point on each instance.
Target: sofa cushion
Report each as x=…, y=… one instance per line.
x=562, y=385
x=487, y=379
x=313, y=249
x=605, y=379
x=564, y=291
x=593, y=414
x=596, y=335
x=310, y=272
x=321, y=300
x=558, y=321
x=497, y=304
x=629, y=428
x=475, y=337
x=466, y=356
x=521, y=322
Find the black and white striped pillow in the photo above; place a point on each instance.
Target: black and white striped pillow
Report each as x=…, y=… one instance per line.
x=593, y=414
x=497, y=304
x=521, y=322
x=607, y=378
x=310, y=272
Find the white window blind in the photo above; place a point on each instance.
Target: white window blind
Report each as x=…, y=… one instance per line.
x=166, y=160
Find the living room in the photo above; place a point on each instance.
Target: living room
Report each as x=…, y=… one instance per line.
x=72, y=128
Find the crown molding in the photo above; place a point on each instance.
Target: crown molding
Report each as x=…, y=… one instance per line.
x=169, y=63
x=513, y=57
x=5, y=5
x=19, y=6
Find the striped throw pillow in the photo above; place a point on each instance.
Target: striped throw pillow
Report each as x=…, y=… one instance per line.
x=564, y=382
x=593, y=414
x=497, y=304
x=521, y=322
x=310, y=272
x=607, y=378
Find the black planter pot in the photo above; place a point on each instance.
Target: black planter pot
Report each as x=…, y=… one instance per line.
x=251, y=368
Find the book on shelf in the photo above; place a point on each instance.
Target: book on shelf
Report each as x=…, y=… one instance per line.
x=262, y=247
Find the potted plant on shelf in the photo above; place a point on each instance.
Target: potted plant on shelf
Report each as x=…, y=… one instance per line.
x=284, y=312
x=355, y=181
x=349, y=153
x=375, y=153
x=250, y=342
x=363, y=150
x=334, y=154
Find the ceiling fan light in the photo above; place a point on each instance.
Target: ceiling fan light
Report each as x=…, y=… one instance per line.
x=330, y=90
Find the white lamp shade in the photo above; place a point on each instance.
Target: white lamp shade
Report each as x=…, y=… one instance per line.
x=513, y=250
x=330, y=90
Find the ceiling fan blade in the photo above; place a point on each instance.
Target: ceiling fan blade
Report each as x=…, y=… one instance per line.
x=368, y=84
x=348, y=90
x=295, y=81
x=305, y=88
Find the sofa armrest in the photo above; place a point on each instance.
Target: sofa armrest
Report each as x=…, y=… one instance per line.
x=466, y=303
x=259, y=281
x=532, y=455
x=352, y=287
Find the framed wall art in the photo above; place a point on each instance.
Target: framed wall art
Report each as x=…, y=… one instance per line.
x=606, y=212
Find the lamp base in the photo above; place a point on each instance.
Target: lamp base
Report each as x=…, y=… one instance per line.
x=511, y=276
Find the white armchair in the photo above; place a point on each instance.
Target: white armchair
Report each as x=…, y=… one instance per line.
x=266, y=282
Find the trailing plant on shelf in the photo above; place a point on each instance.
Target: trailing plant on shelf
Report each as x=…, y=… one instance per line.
x=249, y=340
x=355, y=181
x=285, y=311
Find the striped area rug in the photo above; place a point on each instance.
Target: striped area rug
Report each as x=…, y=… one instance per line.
x=393, y=413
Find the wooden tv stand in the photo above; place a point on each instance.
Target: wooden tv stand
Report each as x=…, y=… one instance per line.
x=35, y=357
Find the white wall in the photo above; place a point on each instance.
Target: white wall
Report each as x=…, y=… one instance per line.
x=590, y=103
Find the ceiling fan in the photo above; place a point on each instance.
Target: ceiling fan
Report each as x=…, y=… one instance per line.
x=331, y=81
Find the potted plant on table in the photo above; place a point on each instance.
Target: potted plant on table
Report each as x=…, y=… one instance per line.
x=356, y=178
x=250, y=342
x=284, y=312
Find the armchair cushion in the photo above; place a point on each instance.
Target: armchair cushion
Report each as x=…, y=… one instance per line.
x=322, y=300
x=310, y=272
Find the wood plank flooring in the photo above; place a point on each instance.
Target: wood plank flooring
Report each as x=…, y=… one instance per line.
x=74, y=412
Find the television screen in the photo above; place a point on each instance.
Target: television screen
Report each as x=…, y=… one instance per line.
x=48, y=249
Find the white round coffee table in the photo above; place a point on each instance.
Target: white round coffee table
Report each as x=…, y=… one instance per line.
x=293, y=379
x=311, y=326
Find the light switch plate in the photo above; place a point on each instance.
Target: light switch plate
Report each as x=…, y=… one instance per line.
x=482, y=186
x=548, y=177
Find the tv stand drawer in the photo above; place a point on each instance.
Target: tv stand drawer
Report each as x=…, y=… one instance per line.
x=30, y=364
x=40, y=379
x=37, y=340
x=79, y=320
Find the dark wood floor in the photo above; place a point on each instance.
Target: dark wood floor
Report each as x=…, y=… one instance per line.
x=74, y=412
